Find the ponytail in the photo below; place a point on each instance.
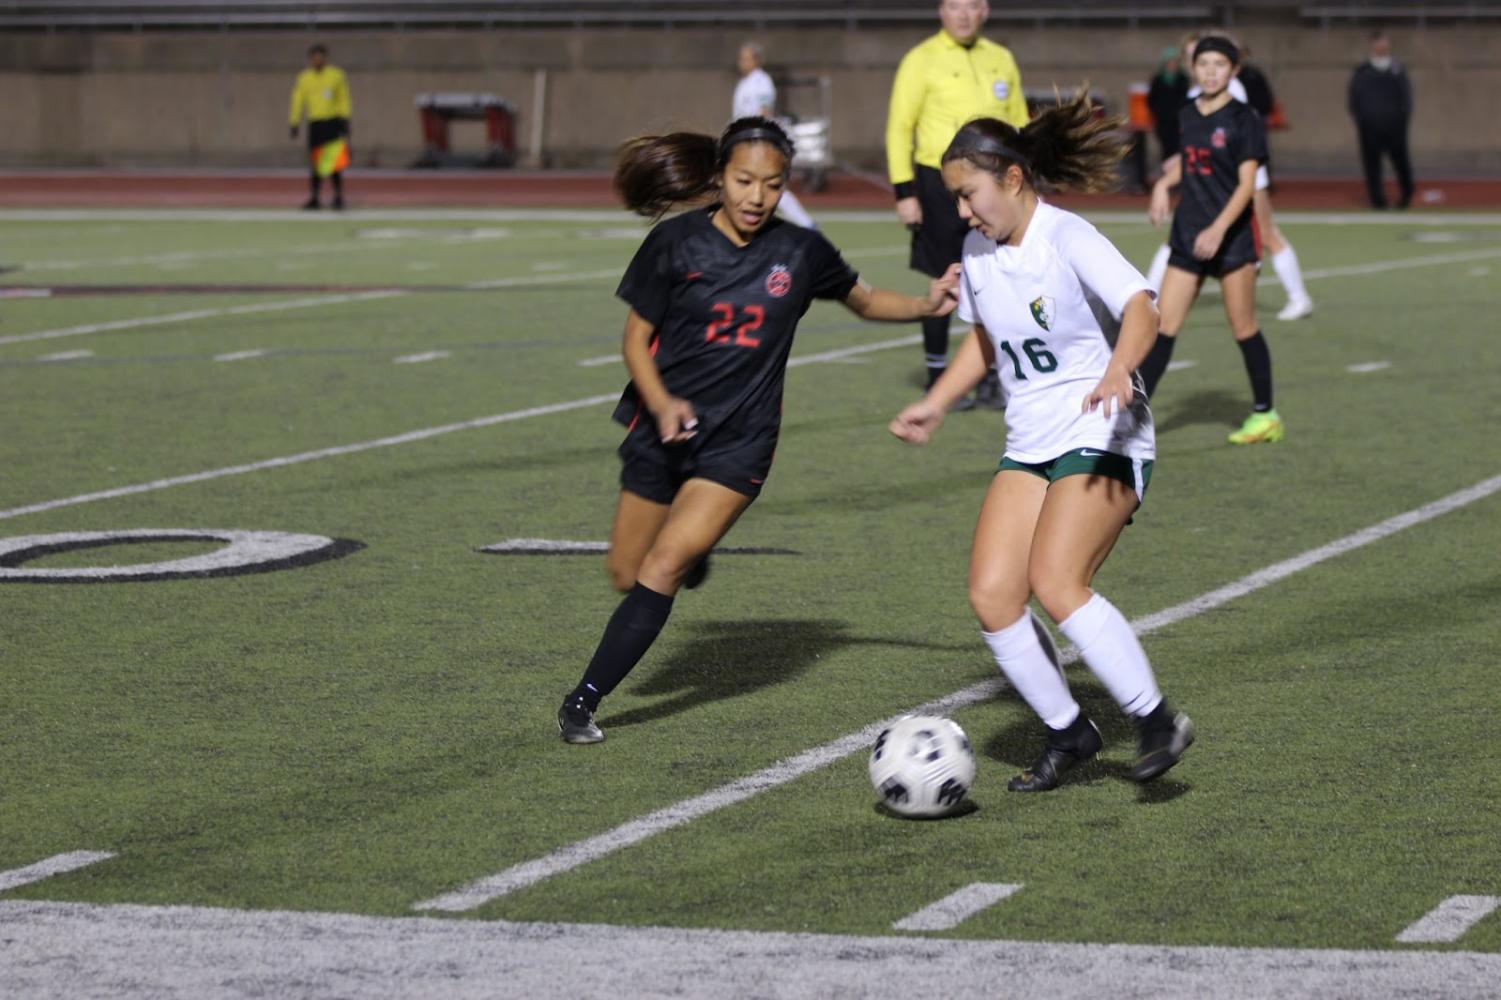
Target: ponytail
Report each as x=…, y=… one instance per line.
x=655, y=173
x=1067, y=147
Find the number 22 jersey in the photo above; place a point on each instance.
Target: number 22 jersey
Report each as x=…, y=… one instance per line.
x=1051, y=308
x=725, y=315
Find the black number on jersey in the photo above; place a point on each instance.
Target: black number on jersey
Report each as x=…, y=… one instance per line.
x=719, y=327
x=1036, y=350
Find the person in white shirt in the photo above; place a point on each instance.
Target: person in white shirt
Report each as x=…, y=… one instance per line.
x=1066, y=319
x=1284, y=258
x=756, y=96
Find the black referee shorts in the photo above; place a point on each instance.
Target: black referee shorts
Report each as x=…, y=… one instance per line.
x=939, y=241
x=325, y=130
x=656, y=471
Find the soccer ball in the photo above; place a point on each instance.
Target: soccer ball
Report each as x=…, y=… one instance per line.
x=922, y=765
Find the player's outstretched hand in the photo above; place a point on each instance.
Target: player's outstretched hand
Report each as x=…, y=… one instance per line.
x=916, y=423
x=943, y=292
x=676, y=422
x=1114, y=391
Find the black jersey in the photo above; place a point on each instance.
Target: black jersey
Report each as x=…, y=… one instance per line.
x=725, y=315
x=1213, y=147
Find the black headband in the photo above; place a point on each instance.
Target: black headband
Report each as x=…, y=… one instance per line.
x=1220, y=44
x=756, y=133
x=973, y=141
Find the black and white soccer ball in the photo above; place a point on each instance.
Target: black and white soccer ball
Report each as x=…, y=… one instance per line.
x=922, y=765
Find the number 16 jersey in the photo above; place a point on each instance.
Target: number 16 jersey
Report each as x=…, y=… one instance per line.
x=1051, y=308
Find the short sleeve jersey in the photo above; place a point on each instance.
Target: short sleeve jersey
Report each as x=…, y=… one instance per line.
x=754, y=92
x=725, y=316
x=1213, y=147
x=1051, y=308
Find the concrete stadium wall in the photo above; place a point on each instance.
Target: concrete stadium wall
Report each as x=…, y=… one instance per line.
x=220, y=99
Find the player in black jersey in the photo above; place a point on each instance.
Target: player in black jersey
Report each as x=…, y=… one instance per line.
x=1214, y=229
x=715, y=295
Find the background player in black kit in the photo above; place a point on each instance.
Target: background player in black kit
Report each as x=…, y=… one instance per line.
x=715, y=297
x=1214, y=232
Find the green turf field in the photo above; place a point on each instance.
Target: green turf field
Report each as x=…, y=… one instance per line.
x=365, y=733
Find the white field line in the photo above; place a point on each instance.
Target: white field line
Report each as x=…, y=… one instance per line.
x=1375, y=267
x=80, y=949
x=1175, y=366
x=305, y=303
x=957, y=907
x=241, y=355
x=46, y=868
x=603, y=359
x=582, y=852
x=396, y=439
x=66, y=356
x=1367, y=366
x=1450, y=919
x=417, y=359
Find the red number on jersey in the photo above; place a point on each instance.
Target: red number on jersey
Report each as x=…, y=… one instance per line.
x=724, y=318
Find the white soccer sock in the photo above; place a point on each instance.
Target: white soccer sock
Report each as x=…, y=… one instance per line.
x=1020, y=654
x=795, y=212
x=1285, y=263
x=1158, y=270
x=1110, y=649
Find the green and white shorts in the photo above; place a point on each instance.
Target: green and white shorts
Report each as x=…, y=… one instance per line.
x=1134, y=472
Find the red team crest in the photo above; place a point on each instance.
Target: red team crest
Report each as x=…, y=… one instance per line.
x=1217, y=140
x=779, y=281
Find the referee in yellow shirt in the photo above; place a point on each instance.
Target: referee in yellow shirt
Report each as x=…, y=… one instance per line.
x=942, y=83
x=322, y=91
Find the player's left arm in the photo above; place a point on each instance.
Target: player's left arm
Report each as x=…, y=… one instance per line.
x=894, y=307
x=1139, y=322
x=1207, y=243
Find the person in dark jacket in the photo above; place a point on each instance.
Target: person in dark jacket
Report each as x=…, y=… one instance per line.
x=1166, y=97
x=1381, y=104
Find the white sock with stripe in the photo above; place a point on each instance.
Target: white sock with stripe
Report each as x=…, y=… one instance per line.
x=1112, y=652
x=1024, y=660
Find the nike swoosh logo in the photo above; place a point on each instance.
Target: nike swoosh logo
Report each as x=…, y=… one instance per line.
x=1091, y=454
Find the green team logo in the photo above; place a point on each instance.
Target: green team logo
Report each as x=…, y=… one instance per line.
x=1042, y=311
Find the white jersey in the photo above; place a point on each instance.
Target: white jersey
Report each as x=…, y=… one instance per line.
x=754, y=92
x=1051, y=308
x=1238, y=93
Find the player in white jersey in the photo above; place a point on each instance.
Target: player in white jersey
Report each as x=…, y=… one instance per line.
x=756, y=97
x=1066, y=319
x=1284, y=258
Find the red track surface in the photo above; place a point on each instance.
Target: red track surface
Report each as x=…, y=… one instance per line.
x=516, y=189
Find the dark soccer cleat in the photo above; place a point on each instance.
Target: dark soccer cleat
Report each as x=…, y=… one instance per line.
x=697, y=575
x=576, y=722
x=1162, y=746
x=988, y=393
x=1058, y=756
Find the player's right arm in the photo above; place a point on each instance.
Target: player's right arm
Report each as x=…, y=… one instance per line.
x=1172, y=173
x=901, y=126
x=675, y=417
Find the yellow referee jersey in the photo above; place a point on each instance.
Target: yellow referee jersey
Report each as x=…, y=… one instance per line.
x=939, y=86
x=322, y=93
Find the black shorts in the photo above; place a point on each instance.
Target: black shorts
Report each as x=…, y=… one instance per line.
x=1241, y=247
x=325, y=130
x=939, y=241
x=656, y=471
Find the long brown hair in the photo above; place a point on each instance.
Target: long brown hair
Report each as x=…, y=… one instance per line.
x=656, y=173
x=1070, y=146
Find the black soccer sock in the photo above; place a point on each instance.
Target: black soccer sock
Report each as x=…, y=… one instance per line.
x=632, y=629
x=935, y=344
x=935, y=370
x=315, y=186
x=1258, y=359
x=1155, y=364
x=338, y=179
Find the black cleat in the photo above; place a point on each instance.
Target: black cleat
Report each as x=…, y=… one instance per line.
x=338, y=203
x=697, y=575
x=988, y=393
x=1057, y=758
x=1162, y=746
x=576, y=722
x=311, y=205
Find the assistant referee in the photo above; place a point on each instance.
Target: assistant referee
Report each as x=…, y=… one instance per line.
x=322, y=92
x=941, y=83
